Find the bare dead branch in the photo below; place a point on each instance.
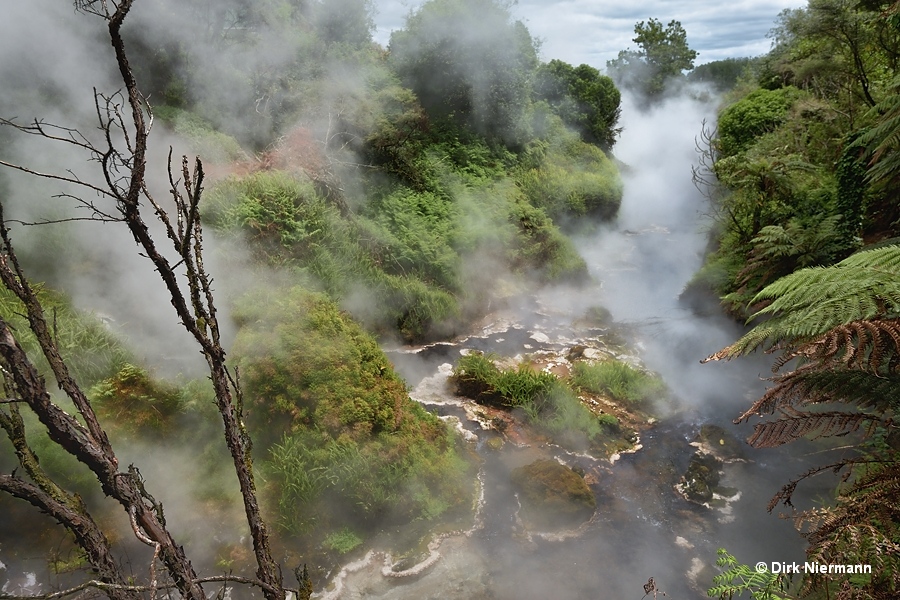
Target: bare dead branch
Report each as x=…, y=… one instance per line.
x=122, y=161
x=107, y=587
x=100, y=191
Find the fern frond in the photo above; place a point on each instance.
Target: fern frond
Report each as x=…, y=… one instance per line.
x=740, y=578
x=796, y=424
x=803, y=387
x=883, y=139
x=869, y=504
x=810, y=302
x=872, y=345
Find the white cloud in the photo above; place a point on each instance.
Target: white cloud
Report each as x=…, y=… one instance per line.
x=593, y=31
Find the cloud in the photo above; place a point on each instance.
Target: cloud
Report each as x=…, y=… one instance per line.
x=592, y=32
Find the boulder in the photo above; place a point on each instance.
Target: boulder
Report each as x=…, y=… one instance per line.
x=701, y=478
x=714, y=440
x=552, y=495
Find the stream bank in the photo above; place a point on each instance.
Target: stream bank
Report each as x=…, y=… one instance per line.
x=642, y=527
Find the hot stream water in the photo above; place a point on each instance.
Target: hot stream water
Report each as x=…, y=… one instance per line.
x=642, y=527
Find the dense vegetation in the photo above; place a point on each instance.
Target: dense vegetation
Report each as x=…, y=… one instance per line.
x=804, y=150
x=356, y=194
x=415, y=179
x=348, y=447
x=803, y=175
x=552, y=404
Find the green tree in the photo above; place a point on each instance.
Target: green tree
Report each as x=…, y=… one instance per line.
x=467, y=60
x=663, y=56
x=345, y=21
x=722, y=74
x=584, y=99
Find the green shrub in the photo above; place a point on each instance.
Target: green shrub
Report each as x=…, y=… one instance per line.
x=547, y=402
x=759, y=112
x=281, y=212
x=344, y=440
x=571, y=179
x=540, y=245
x=618, y=379
x=133, y=403
x=417, y=231
x=478, y=377
x=400, y=256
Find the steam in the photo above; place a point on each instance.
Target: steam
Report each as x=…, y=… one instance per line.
x=51, y=57
x=657, y=246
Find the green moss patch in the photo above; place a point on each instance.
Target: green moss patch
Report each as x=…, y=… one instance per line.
x=552, y=494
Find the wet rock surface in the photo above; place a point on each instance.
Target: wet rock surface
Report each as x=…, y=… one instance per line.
x=720, y=443
x=552, y=494
x=701, y=479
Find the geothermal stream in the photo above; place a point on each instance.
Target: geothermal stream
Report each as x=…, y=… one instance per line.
x=642, y=527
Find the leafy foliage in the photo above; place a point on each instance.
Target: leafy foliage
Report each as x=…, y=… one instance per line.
x=467, y=60
x=583, y=98
x=802, y=145
x=812, y=301
x=406, y=245
x=723, y=75
x=755, y=114
x=413, y=276
x=569, y=179
x=863, y=528
x=780, y=250
x=663, y=55
x=736, y=579
x=840, y=325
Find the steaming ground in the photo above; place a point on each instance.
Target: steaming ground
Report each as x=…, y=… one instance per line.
x=655, y=248
x=640, y=266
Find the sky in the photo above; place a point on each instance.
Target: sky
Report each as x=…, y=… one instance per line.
x=593, y=31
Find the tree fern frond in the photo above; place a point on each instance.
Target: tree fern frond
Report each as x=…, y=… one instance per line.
x=810, y=302
x=797, y=424
x=870, y=345
x=740, y=578
x=816, y=386
x=862, y=528
x=883, y=139
x=786, y=493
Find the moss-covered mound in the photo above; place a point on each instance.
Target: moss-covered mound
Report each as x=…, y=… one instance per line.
x=553, y=495
x=547, y=402
x=342, y=443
